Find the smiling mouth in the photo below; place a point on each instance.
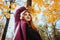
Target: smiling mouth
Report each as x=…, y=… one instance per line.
x=28, y=17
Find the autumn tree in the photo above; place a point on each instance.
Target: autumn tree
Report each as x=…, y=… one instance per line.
x=6, y=12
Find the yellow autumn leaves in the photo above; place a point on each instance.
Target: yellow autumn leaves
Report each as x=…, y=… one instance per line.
x=0, y=0
x=13, y=6
x=1, y=15
x=39, y=2
x=7, y=7
x=55, y=5
x=52, y=17
x=1, y=4
x=6, y=14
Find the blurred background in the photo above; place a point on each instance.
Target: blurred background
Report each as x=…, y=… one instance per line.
x=46, y=16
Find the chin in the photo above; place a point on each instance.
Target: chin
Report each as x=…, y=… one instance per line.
x=28, y=20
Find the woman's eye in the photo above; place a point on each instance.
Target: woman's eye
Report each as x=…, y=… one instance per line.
x=25, y=14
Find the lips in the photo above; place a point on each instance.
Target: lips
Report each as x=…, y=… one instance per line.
x=28, y=17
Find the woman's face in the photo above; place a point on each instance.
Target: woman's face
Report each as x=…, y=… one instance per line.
x=27, y=16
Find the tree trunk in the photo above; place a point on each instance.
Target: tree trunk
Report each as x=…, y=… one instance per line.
x=6, y=26
x=5, y=30
x=29, y=3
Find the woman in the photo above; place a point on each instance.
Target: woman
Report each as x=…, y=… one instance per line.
x=25, y=28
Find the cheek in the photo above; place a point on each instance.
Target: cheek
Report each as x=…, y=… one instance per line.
x=27, y=17
x=30, y=17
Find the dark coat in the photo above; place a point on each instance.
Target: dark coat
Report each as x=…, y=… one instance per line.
x=32, y=34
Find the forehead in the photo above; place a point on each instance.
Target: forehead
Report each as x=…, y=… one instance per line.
x=26, y=13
